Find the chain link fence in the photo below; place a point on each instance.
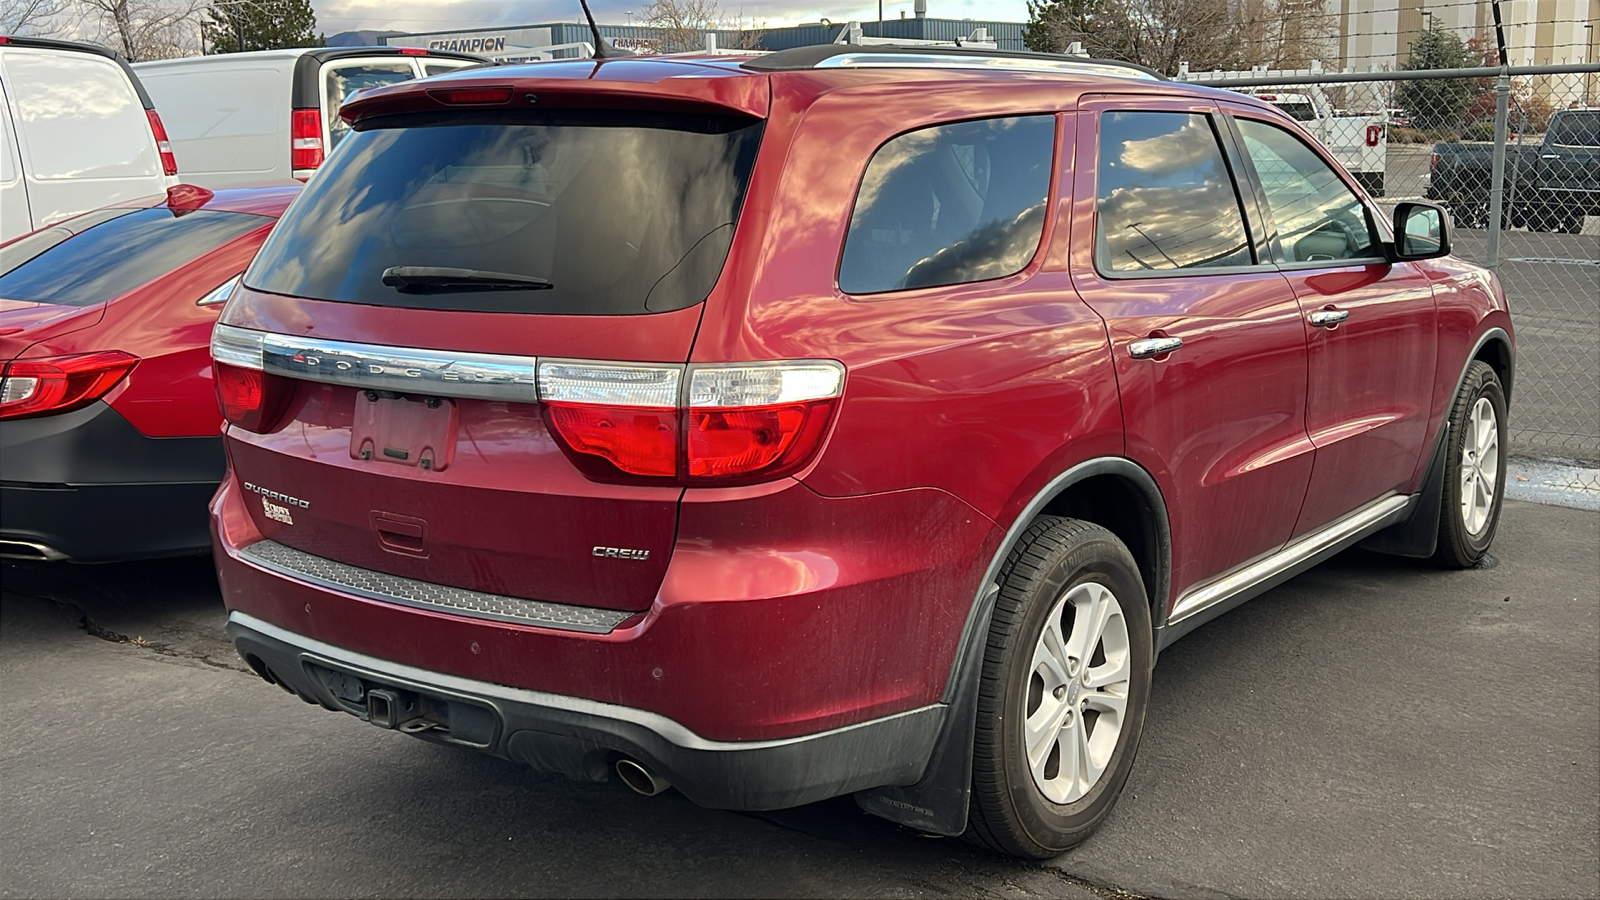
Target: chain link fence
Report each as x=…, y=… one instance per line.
x=1432, y=136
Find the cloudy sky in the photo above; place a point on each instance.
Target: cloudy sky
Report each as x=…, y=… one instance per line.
x=334, y=16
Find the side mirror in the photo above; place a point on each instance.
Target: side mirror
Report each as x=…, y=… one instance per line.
x=1421, y=231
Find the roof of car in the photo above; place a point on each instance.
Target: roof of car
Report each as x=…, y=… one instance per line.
x=741, y=83
x=80, y=47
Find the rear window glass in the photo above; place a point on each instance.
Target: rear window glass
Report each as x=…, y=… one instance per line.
x=951, y=204
x=344, y=79
x=1579, y=129
x=122, y=251
x=600, y=213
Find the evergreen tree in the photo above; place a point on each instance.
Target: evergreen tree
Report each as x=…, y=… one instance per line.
x=263, y=24
x=1438, y=104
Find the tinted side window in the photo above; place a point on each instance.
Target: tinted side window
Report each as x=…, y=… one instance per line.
x=1166, y=198
x=951, y=204
x=115, y=255
x=1575, y=129
x=1317, y=217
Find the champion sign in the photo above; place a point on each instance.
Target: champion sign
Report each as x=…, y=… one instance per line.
x=470, y=45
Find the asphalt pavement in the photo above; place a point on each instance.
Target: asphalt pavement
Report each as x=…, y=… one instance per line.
x=1374, y=728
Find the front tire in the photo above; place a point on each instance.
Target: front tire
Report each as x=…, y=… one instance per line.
x=1064, y=690
x=1475, y=470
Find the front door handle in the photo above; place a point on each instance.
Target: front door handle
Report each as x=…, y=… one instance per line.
x=1149, y=348
x=1327, y=318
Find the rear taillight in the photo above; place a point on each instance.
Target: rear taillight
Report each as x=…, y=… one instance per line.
x=169, y=162
x=247, y=396
x=34, y=387
x=738, y=423
x=305, y=142
x=614, y=419
x=1433, y=162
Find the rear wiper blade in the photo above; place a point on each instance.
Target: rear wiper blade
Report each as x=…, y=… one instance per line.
x=437, y=279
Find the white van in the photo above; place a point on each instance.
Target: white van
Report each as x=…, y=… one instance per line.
x=272, y=115
x=77, y=132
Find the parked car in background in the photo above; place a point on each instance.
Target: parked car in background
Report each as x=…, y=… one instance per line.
x=110, y=439
x=271, y=116
x=77, y=132
x=1549, y=186
x=702, y=424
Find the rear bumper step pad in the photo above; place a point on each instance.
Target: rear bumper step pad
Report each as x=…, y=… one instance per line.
x=338, y=576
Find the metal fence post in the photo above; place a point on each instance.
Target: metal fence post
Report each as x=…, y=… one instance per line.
x=1497, y=176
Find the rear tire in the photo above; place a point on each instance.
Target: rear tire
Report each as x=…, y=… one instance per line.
x=1064, y=690
x=1475, y=470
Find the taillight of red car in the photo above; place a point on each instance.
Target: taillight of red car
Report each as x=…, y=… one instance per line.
x=57, y=384
x=247, y=396
x=305, y=142
x=732, y=423
x=736, y=424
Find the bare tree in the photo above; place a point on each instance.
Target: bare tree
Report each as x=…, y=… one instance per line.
x=146, y=29
x=42, y=18
x=681, y=25
x=1208, y=34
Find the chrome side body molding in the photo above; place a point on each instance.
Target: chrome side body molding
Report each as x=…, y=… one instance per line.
x=1268, y=571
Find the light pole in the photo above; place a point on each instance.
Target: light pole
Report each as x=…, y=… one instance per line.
x=1588, y=56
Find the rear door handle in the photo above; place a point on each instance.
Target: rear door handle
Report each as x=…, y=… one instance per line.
x=1149, y=348
x=1327, y=318
x=1549, y=156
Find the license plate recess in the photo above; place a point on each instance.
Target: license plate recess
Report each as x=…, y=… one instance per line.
x=410, y=431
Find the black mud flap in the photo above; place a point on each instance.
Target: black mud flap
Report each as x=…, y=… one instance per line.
x=1418, y=535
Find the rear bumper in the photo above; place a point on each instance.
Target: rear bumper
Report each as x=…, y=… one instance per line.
x=782, y=613
x=582, y=738
x=87, y=486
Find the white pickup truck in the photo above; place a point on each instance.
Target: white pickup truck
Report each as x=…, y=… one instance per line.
x=1358, y=140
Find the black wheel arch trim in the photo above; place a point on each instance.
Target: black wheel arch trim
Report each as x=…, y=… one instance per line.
x=938, y=803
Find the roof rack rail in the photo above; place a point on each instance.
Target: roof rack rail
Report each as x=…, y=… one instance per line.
x=888, y=56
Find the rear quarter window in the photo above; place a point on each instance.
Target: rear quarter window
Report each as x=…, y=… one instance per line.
x=952, y=204
x=119, y=250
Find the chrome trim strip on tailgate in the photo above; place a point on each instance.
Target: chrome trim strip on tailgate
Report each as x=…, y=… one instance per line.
x=406, y=370
x=1199, y=598
x=326, y=573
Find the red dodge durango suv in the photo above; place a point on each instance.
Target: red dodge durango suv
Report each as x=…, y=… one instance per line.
x=840, y=420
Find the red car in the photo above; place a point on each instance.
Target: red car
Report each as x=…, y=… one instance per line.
x=110, y=437
x=843, y=420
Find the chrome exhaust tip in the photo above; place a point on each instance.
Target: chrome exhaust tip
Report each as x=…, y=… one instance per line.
x=11, y=548
x=643, y=781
